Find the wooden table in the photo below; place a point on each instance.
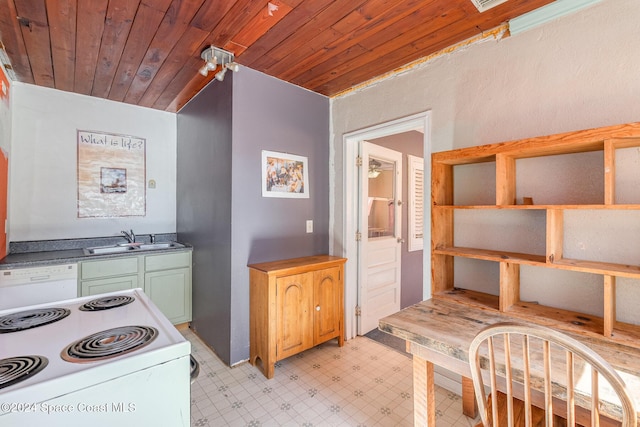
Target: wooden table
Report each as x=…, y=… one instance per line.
x=439, y=332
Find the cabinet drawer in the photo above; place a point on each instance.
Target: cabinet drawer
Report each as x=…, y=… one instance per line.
x=108, y=268
x=167, y=261
x=112, y=284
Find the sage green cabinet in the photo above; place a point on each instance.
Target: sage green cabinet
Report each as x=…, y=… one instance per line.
x=109, y=275
x=109, y=284
x=167, y=281
x=164, y=277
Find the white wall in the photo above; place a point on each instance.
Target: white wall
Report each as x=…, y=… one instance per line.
x=43, y=164
x=577, y=72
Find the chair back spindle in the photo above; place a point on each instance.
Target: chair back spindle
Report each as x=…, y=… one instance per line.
x=536, y=380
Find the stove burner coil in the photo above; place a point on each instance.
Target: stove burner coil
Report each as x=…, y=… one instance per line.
x=16, y=369
x=105, y=303
x=28, y=319
x=109, y=343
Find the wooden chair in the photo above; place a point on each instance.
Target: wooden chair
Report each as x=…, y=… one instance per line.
x=537, y=367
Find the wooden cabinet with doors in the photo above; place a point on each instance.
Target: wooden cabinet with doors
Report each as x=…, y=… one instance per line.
x=295, y=304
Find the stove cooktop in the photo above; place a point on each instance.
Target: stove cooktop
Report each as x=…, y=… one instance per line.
x=107, y=303
x=16, y=369
x=28, y=319
x=106, y=336
x=109, y=344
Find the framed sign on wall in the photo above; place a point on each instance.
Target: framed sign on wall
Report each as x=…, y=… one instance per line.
x=111, y=175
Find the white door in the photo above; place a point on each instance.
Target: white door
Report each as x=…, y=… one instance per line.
x=380, y=181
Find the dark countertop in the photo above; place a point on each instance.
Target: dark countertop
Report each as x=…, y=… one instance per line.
x=51, y=252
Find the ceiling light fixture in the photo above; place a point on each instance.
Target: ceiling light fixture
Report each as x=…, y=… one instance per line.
x=209, y=65
x=374, y=168
x=214, y=56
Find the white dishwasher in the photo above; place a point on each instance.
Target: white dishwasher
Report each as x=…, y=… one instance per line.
x=36, y=285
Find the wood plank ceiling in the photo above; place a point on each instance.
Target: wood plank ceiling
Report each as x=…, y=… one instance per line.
x=147, y=52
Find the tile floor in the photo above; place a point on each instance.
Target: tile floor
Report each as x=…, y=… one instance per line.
x=361, y=384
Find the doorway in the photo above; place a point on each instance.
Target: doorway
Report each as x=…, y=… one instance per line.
x=354, y=267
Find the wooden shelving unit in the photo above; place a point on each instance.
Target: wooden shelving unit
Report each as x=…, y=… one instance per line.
x=505, y=155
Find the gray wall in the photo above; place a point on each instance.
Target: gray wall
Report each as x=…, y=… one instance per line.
x=411, y=267
x=269, y=114
x=221, y=211
x=204, y=208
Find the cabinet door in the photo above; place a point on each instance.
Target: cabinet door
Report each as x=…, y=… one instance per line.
x=170, y=290
x=294, y=299
x=328, y=306
x=111, y=284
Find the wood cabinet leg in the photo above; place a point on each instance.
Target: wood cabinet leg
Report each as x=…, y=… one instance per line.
x=469, y=404
x=424, y=393
x=268, y=370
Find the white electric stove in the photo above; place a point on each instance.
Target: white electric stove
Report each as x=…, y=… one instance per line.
x=105, y=360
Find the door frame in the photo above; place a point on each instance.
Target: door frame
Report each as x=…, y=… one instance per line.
x=350, y=203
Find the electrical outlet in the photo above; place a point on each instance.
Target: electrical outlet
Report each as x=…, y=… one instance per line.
x=309, y=226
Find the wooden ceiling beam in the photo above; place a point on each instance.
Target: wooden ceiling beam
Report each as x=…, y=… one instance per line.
x=210, y=14
x=89, y=25
x=283, y=29
x=11, y=38
x=146, y=23
x=173, y=26
x=118, y=23
x=256, y=28
x=190, y=41
x=392, y=60
x=32, y=17
x=382, y=14
x=384, y=44
x=61, y=15
x=240, y=14
x=316, y=33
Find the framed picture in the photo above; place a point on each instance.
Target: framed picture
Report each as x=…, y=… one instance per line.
x=284, y=175
x=111, y=175
x=113, y=180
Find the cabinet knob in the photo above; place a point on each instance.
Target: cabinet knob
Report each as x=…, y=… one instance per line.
x=317, y=308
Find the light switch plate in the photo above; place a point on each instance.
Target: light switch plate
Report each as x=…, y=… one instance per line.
x=309, y=226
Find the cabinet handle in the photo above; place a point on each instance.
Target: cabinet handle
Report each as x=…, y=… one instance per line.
x=317, y=308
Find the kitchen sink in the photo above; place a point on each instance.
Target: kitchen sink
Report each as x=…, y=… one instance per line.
x=151, y=246
x=130, y=247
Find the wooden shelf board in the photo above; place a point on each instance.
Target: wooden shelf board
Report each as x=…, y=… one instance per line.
x=594, y=267
x=468, y=297
x=491, y=255
x=542, y=207
x=597, y=267
x=574, y=322
x=564, y=143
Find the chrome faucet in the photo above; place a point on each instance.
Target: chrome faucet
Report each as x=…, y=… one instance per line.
x=131, y=238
